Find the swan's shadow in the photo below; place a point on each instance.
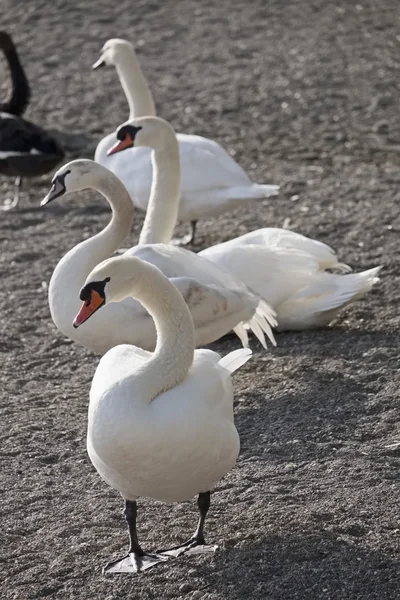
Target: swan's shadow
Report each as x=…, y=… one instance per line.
x=309, y=565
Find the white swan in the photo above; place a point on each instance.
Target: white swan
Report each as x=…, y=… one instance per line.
x=212, y=182
x=285, y=268
x=289, y=271
x=160, y=425
x=218, y=301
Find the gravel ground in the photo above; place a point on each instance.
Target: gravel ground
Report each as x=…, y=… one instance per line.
x=304, y=94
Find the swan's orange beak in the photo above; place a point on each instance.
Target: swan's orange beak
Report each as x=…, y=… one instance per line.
x=88, y=308
x=119, y=146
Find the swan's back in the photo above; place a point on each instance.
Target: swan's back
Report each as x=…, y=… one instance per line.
x=212, y=164
x=276, y=239
x=178, y=262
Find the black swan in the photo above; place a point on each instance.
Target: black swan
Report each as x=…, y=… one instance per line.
x=26, y=150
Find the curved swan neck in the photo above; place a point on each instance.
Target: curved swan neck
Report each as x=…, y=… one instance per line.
x=75, y=266
x=173, y=355
x=163, y=207
x=107, y=241
x=135, y=86
x=21, y=92
x=111, y=187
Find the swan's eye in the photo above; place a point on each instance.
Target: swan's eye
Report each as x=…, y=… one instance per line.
x=128, y=130
x=85, y=294
x=95, y=286
x=121, y=134
x=60, y=179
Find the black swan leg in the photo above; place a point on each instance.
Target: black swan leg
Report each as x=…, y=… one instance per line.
x=196, y=544
x=12, y=203
x=136, y=560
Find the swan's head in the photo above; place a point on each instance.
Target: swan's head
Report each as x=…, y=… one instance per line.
x=74, y=176
x=151, y=132
x=112, y=280
x=114, y=52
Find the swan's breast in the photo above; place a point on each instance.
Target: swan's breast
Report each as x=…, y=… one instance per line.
x=170, y=449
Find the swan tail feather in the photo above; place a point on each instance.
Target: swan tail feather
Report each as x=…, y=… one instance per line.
x=262, y=322
x=234, y=360
x=258, y=332
x=343, y=268
x=266, y=190
x=256, y=191
x=352, y=287
x=242, y=334
x=319, y=303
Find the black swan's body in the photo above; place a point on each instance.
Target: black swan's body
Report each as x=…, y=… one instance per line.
x=26, y=150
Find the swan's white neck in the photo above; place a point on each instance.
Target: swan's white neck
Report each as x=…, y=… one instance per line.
x=163, y=207
x=72, y=270
x=173, y=355
x=134, y=84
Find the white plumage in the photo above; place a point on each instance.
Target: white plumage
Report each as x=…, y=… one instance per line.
x=160, y=424
x=219, y=302
x=211, y=181
x=289, y=271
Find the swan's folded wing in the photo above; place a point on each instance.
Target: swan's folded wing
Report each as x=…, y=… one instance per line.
x=227, y=301
x=215, y=310
x=273, y=274
x=205, y=165
x=278, y=239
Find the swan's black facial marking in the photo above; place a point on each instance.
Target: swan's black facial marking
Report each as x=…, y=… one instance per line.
x=57, y=189
x=96, y=286
x=93, y=296
x=130, y=130
x=126, y=138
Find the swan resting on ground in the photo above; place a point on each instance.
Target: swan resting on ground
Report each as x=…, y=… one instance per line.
x=218, y=301
x=288, y=270
x=160, y=424
x=211, y=181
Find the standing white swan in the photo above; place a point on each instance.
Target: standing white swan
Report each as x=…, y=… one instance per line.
x=285, y=268
x=211, y=183
x=218, y=301
x=160, y=425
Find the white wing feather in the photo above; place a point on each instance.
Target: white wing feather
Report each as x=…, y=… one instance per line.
x=234, y=360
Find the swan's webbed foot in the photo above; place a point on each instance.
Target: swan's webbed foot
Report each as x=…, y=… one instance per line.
x=186, y=239
x=133, y=563
x=192, y=546
x=136, y=560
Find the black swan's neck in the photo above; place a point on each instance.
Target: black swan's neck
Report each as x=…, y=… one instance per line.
x=18, y=101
